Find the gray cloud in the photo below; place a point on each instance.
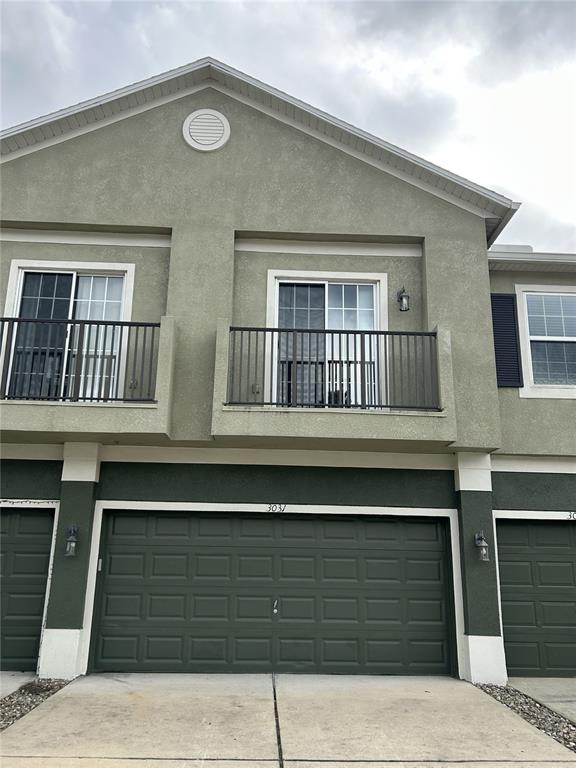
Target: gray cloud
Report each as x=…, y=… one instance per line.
x=59, y=53
x=511, y=37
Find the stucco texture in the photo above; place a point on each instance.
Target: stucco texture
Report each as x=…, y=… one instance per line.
x=151, y=266
x=269, y=178
x=535, y=426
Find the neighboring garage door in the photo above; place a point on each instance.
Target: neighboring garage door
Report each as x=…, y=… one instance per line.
x=26, y=537
x=203, y=592
x=538, y=584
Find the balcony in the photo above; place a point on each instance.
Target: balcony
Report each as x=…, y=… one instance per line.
x=385, y=386
x=122, y=369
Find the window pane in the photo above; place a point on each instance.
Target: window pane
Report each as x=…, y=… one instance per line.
x=114, y=289
x=112, y=310
x=335, y=319
x=63, y=286
x=554, y=326
x=96, y=310
x=569, y=306
x=366, y=296
x=286, y=297
x=537, y=325
x=44, y=311
x=301, y=318
x=302, y=296
x=335, y=296
x=98, y=288
x=366, y=320
x=350, y=319
x=350, y=296
x=317, y=318
x=286, y=318
x=83, y=287
x=81, y=310
x=535, y=304
x=48, y=286
x=317, y=297
x=552, y=362
x=31, y=285
x=28, y=308
x=60, y=309
x=552, y=305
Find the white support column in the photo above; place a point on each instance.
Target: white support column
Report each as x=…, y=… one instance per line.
x=473, y=472
x=81, y=462
x=63, y=651
x=483, y=659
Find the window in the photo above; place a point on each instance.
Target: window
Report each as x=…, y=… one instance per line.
x=548, y=337
x=67, y=339
x=331, y=362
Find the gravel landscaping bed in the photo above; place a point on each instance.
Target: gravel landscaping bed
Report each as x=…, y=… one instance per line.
x=552, y=723
x=17, y=704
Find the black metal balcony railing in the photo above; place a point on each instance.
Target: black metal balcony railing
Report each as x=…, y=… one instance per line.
x=333, y=369
x=78, y=360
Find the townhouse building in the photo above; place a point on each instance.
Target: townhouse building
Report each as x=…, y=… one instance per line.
x=272, y=399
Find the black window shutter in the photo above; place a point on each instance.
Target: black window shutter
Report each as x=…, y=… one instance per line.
x=506, y=340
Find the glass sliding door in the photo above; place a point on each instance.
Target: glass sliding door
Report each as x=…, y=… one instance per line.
x=39, y=352
x=53, y=356
x=301, y=356
x=324, y=359
x=94, y=351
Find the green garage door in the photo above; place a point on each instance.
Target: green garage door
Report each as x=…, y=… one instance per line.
x=26, y=537
x=538, y=583
x=183, y=592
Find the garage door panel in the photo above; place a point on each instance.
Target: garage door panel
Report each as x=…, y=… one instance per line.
x=343, y=599
x=538, y=586
x=25, y=548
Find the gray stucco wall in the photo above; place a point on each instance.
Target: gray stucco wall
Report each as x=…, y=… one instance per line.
x=269, y=177
x=150, y=278
x=250, y=283
x=535, y=426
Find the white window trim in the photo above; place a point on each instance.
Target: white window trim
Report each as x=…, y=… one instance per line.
x=113, y=269
x=276, y=276
x=548, y=391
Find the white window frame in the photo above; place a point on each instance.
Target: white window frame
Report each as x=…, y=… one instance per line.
x=277, y=276
x=19, y=267
x=378, y=279
x=530, y=389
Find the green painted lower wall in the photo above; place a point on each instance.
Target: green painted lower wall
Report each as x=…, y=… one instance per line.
x=281, y=485
x=69, y=574
x=479, y=579
x=534, y=491
x=30, y=479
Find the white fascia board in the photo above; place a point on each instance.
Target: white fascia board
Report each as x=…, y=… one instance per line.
x=509, y=257
x=234, y=77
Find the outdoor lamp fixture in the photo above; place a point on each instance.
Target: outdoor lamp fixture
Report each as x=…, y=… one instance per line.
x=482, y=544
x=71, y=541
x=403, y=298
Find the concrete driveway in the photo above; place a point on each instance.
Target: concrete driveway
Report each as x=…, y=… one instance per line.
x=557, y=693
x=237, y=721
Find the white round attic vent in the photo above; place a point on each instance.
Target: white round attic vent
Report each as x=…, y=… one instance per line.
x=206, y=130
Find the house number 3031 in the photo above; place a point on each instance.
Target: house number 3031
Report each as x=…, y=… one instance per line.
x=276, y=508
x=572, y=516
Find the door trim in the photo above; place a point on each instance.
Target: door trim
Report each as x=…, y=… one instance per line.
x=54, y=507
x=101, y=506
x=519, y=514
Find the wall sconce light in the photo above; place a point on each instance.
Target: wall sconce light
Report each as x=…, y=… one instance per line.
x=482, y=544
x=403, y=298
x=71, y=541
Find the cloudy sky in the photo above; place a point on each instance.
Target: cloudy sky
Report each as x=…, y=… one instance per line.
x=485, y=89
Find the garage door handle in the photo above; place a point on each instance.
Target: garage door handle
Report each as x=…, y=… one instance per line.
x=275, y=607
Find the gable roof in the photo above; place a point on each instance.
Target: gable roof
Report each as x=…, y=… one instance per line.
x=89, y=115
